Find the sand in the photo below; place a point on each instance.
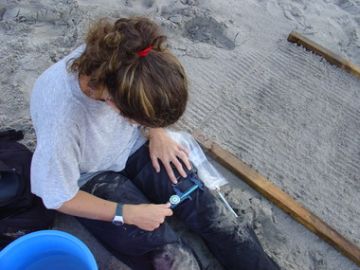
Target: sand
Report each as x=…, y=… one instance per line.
x=284, y=111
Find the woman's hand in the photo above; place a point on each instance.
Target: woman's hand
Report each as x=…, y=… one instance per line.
x=147, y=217
x=168, y=151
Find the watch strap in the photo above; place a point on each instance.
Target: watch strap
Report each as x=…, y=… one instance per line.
x=118, y=218
x=119, y=208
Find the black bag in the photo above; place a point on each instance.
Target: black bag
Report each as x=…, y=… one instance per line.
x=21, y=211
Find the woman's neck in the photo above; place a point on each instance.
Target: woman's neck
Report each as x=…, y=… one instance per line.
x=97, y=94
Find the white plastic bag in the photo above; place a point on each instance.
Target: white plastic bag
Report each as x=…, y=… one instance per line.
x=206, y=171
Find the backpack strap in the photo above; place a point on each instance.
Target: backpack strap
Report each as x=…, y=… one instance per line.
x=11, y=135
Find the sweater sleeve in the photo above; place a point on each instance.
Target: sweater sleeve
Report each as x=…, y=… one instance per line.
x=55, y=165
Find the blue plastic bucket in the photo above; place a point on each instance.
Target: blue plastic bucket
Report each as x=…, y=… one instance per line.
x=48, y=249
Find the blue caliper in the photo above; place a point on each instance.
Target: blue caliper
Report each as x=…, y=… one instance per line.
x=180, y=196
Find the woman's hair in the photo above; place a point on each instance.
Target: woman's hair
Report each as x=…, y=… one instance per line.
x=151, y=90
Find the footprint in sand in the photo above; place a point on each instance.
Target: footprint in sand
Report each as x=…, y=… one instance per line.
x=208, y=30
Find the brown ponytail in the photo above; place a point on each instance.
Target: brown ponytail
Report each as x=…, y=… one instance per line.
x=151, y=90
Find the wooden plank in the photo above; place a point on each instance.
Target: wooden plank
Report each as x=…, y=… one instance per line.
x=331, y=57
x=280, y=198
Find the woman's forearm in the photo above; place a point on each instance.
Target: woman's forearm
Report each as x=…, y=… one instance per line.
x=145, y=216
x=89, y=206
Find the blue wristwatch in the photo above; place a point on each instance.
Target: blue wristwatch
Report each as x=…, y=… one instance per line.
x=118, y=219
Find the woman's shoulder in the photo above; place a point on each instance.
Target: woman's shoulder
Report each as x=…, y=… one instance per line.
x=53, y=89
x=59, y=72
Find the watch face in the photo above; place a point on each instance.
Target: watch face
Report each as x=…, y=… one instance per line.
x=118, y=220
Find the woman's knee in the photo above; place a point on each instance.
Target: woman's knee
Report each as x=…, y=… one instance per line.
x=174, y=256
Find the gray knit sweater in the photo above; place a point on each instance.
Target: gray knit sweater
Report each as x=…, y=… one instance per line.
x=76, y=135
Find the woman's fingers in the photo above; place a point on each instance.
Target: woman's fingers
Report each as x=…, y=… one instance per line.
x=185, y=158
x=179, y=167
x=155, y=163
x=176, y=154
x=167, y=205
x=184, y=149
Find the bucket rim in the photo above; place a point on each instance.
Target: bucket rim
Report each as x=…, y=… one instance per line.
x=61, y=234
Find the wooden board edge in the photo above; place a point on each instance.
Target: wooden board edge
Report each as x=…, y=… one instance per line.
x=331, y=57
x=280, y=198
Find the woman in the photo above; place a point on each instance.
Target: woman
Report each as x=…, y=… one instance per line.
x=91, y=160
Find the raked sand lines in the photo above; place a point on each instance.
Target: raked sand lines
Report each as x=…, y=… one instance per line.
x=270, y=118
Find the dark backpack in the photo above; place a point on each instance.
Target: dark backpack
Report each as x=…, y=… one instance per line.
x=21, y=212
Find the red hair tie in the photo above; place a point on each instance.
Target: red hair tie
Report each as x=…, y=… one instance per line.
x=144, y=52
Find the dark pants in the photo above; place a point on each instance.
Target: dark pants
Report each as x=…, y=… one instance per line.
x=234, y=245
